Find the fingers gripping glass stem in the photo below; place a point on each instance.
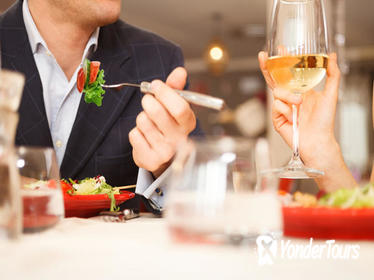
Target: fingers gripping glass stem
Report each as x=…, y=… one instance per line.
x=295, y=129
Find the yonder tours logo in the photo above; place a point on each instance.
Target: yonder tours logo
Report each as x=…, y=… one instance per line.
x=269, y=249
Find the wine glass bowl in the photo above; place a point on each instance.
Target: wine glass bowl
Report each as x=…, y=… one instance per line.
x=298, y=73
x=298, y=58
x=298, y=27
x=42, y=198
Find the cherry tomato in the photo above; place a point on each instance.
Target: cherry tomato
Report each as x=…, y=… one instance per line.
x=282, y=192
x=52, y=184
x=81, y=79
x=94, y=69
x=65, y=187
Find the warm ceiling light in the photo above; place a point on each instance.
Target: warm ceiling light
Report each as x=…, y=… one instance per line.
x=216, y=53
x=216, y=56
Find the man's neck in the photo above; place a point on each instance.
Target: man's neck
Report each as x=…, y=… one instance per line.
x=65, y=39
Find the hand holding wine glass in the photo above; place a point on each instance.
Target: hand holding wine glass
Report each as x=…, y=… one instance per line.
x=316, y=110
x=297, y=62
x=318, y=145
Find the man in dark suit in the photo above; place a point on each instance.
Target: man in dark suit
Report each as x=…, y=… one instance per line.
x=47, y=40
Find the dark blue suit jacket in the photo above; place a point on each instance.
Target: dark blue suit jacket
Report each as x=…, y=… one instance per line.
x=98, y=143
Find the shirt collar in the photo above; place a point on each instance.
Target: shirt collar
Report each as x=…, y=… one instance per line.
x=36, y=39
x=94, y=39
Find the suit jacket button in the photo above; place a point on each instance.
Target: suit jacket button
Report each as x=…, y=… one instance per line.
x=58, y=143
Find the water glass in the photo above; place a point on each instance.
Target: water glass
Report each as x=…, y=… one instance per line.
x=214, y=195
x=11, y=86
x=10, y=202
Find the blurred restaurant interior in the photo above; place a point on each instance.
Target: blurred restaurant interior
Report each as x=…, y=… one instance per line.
x=238, y=28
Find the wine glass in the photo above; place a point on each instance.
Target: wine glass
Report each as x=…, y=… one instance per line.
x=298, y=48
x=43, y=204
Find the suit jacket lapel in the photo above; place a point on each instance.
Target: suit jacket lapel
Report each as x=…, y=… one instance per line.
x=33, y=127
x=92, y=123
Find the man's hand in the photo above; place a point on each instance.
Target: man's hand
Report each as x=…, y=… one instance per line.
x=167, y=120
x=318, y=146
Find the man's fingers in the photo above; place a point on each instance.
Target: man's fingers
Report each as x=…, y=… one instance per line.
x=159, y=115
x=178, y=108
x=166, y=119
x=160, y=145
x=137, y=139
x=139, y=144
x=287, y=96
x=144, y=156
x=149, y=130
x=177, y=78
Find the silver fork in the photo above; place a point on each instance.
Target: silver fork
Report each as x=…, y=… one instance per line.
x=190, y=96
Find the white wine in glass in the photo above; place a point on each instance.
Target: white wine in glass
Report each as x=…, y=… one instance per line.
x=298, y=48
x=298, y=73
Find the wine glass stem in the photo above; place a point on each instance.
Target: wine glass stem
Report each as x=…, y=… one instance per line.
x=295, y=128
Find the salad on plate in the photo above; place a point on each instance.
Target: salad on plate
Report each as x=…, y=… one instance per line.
x=358, y=197
x=90, y=186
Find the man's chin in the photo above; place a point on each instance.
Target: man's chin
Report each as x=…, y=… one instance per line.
x=107, y=20
x=107, y=14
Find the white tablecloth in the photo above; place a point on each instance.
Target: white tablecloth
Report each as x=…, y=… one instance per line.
x=141, y=249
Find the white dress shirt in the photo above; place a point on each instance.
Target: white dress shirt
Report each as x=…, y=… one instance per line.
x=62, y=98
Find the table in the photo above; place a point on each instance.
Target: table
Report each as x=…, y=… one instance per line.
x=141, y=249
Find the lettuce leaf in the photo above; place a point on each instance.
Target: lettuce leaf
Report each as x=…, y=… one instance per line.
x=93, y=93
x=91, y=186
x=360, y=197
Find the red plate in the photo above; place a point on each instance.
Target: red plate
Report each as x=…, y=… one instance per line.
x=85, y=206
x=329, y=223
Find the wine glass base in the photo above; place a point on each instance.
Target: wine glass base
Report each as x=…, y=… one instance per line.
x=292, y=172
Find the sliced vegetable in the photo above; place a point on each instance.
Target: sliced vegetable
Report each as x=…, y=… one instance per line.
x=86, y=69
x=94, y=70
x=52, y=184
x=81, y=80
x=66, y=187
